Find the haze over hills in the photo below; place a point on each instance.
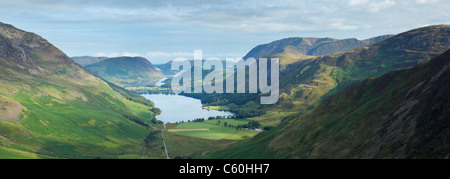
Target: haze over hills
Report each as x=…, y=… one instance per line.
x=87, y=60
x=50, y=107
x=127, y=71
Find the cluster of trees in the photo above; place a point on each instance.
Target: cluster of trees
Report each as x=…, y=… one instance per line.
x=136, y=120
x=151, y=89
x=223, y=99
x=210, y=118
x=164, y=92
x=131, y=95
x=222, y=117
x=249, y=114
x=156, y=111
x=250, y=125
x=152, y=139
x=198, y=120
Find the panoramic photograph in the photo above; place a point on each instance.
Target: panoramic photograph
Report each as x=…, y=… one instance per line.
x=231, y=79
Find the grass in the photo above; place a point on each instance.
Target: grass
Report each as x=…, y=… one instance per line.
x=216, y=132
x=60, y=119
x=219, y=108
x=272, y=118
x=192, y=147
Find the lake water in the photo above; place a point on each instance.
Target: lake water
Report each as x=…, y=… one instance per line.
x=176, y=108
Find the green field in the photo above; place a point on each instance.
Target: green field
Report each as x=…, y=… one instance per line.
x=220, y=108
x=216, y=131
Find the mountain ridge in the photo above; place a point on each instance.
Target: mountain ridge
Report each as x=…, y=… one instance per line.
x=310, y=46
x=51, y=107
x=127, y=71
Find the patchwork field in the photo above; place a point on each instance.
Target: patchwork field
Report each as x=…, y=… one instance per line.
x=214, y=130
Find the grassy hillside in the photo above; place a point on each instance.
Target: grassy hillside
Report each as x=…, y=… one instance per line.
x=126, y=71
x=310, y=83
x=306, y=85
x=402, y=114
x=50, y=107
x=306, y=81
x=87, y=60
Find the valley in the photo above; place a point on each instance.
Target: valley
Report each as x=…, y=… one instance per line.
x=383, y=97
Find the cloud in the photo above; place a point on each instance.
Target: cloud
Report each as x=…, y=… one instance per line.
x=427, y=1
x=117, y=54
x=372, y=5
x=165, y=55
x=377, y=6
x=340, y=24
x=358, y=2
x=169, y=29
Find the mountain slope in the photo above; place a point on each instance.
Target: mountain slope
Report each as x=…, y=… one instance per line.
x=50, y=107
x=307, y=84
x=306, y=81
x=402, y=114
x=309, y=46
x=87, y=60
x=126, y=71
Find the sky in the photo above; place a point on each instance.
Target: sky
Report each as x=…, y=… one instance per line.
x=164, y=30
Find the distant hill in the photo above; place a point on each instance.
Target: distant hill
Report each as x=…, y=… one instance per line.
x=310, y=46
x=87, y=60
x=127, y=71
x=166, y=68
x=51, y=107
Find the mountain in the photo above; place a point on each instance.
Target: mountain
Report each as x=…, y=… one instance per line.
x=401, y=114
x=127, y=71
x=309, y=46
x=166, y=68
x=50, y=107
x=306, y=81
x=87, y=60
x=309, y=83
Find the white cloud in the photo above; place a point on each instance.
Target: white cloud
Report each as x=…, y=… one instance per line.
x=377, y=6
x=358, y=2
x=340, y=24
x=427, y=1
x=117, y=54
x=159, y=54
x=372, y=5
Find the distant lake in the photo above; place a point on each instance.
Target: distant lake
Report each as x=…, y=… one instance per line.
x=176, y=108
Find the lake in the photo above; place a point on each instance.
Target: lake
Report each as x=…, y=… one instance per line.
x=177, y=108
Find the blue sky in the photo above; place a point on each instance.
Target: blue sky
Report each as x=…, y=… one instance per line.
x=164, y=30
